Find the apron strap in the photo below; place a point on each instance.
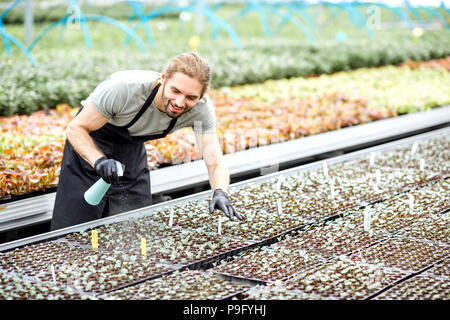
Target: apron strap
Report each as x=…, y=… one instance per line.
x=141, y=112
x=170, y=127
x=144, y=107
x=158, y=135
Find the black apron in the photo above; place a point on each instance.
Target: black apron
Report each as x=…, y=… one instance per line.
x=77, y=175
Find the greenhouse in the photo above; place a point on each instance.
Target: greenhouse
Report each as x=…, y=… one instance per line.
x=237, y=151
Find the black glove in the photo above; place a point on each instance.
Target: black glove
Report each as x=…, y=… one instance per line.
x=220, y=201
x=107, y=169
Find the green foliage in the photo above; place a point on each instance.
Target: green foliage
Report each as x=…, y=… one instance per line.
x=404, y=90
x=67, y=71
x=69, y=77
x=48, y=15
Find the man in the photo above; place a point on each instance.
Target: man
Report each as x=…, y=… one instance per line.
x=124, y=111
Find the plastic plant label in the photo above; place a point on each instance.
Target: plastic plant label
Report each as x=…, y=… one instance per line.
x=367, y=218
x=143, y=247
x=278, y=187
x=411, y=201
x=219, y=230
x=414, y=148
x=53, y=274
x=280, y=209
x=332, y=192
x=372, y=159
x=94, y=239
x=171, y=218
x=378, y=176
x=325, y=169
x=422, y=164
x=279, y=182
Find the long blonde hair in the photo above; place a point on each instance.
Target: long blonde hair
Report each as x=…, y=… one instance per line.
x=192, y=65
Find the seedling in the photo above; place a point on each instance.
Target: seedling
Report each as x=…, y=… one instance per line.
x=332, y=191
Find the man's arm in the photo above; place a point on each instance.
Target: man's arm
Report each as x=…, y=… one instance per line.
x=219, y=176
x=77, y=132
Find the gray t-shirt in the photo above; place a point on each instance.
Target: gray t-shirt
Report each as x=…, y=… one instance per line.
x=123, y=93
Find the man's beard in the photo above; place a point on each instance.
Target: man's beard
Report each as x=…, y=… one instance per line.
x=166, y=107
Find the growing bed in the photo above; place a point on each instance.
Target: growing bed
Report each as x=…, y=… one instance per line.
x=317, y=246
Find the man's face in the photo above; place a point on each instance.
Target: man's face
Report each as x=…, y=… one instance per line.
x=180, y=93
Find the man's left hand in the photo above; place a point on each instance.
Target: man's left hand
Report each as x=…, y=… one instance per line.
x=221, y=201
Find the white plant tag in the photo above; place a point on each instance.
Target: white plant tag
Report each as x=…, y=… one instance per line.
x=411, y=201
x=325, y=169
x=53, y=274
x=219, y=231
x=278, y=185
x=422, y=164
x=372, y=159
x=280, y=210
x=332, y=192
x=414, y=148
x=375, y=187
x=171, y=218
x=378, y=176
x=367, y=218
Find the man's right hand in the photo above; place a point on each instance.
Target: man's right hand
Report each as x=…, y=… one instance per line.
x=107, y=169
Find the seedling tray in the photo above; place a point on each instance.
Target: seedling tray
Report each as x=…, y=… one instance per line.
x=196, y=283
x=36, y=258
x=402, y=254
x=209, y=261
x=233, y=188
x=348, y=287
x=440, y=270
x=433, y=230
x=420, y=287
x=12, y=287
x=294, y=288
x=424, y=272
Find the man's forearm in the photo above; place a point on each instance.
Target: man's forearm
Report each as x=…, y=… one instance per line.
x=219, y=177
x=83, y=144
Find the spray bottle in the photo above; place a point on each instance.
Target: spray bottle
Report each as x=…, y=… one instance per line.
x=97, y=191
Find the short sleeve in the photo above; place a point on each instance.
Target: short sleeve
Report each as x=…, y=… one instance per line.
x=208, y=118
x=109, y=97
